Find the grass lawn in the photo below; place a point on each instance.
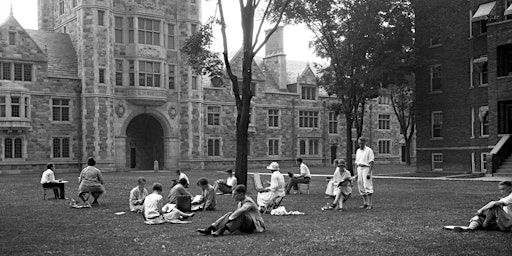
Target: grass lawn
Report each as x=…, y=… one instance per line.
x=406, y=220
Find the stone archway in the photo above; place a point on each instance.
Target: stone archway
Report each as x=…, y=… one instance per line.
x=144, y=143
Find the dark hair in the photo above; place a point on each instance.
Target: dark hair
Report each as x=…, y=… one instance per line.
x=506, y=183
x=229, y=170
x=157, y=187
x=240, y=189
x=90, y=161
x=183, y=181
x=202, y=181
x=141, y=179
x=299, y=160
x=49, y=166
x=363, y=139
x=178, y=171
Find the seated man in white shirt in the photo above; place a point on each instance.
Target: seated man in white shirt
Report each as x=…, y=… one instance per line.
x=496, y=215
x=303, y=177
x=181, y=175
x=226, y=186
x=48, y=181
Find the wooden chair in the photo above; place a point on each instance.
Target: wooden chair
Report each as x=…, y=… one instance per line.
x=54, y=189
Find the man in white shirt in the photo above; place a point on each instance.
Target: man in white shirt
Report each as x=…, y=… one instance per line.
x=303, y=177
x=496, y=215
x=181, y=175
x=48, y=181
x=226, y=186
x=364, y=165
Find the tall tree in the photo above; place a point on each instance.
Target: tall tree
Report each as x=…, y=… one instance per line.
x=203, y=61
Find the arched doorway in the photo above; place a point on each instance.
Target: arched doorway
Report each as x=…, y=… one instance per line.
x=145, y=143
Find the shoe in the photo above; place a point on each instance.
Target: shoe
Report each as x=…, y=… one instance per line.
x=369, y=207
x=217, y=233
x=460, y=229
x=364, y=206
x=204, y=231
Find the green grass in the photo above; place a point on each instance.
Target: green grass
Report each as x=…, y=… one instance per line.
x=406, y=220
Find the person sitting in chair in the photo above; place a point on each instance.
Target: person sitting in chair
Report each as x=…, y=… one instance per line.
x=343, y=188
x=137, y=195
x=246, y=218
x=91, y=181
x=207, y=201
x=48, y=181
x=303, y=177
x=226, y=186
x=276, y=189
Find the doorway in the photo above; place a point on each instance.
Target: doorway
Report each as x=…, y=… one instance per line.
x=145, y=135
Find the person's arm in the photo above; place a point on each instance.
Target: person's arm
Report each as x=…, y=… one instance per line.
x=274, y=183
x=371, y=159
x=100, y=177
x=490, y=205
x=209, y=197
x=303, y=171
x=246, y=206
x=51, y=177
x=184, y=191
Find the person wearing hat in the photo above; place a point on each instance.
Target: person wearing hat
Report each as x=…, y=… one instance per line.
x=226, y=186
x=343, y=187
x=276, y=188
x=332, y=185
x=91, y=181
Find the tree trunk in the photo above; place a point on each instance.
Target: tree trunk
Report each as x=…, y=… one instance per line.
x=348, y=150
x=407, y=151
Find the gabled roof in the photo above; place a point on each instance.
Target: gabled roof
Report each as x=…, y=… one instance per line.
x=25, y=48
x=62, y=58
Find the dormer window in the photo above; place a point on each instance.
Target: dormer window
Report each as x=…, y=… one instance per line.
x=308, y=93
x=12, y=38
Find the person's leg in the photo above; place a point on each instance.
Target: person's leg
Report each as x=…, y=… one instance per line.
x=490, y=219
x=96, y=195
x=82, y=197
x=360, y=185
x=182, y=214
x=476, y=222
x=369, y=201
x=291, y=184
x=220, y=222
x=225, y=189
x=61, y=190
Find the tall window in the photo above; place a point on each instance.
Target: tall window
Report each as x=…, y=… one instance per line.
x=170, y=36
x=60, y=109
x=313, y=146
x=12, y=38
x=119, y=72
x=308, y=119
x=273, y=147
x=3, y=106
x=333, y=123
x=131, y=33
x=309, y=147
x=26, y=104
x=172, y=77
x=484, y=124
x=435, y=78
x=13, y=148
x=483, y=161
x=384, y=147
x=308, y=93
x=5, y=69
x=194, y=82
x=213, y=147
x=437, y=123
x=119, y=29
x=60, y=147
x=101, y=18
x=149, y=74
x=505, y=60
x=15, y=106
x=101, y=73
x=22, y=72
x=131, y=72
x=213, y=113
x=302, y=147
x=384, y=122
x=273, y=118
x=149, y=31
x=61, y=7
x=437, y=161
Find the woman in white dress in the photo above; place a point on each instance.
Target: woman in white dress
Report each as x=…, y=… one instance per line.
x=332, y=185
x=276, y=188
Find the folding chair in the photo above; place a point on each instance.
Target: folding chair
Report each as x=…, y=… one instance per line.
x=54, y=189
x=276, y=202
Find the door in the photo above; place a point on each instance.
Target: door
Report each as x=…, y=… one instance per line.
x=133, y=157
x=334, y=150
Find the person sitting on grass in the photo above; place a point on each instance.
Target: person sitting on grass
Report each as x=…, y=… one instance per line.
x=154, y=213
x=226, y=186
x=496, y=215
x=91, y=181
x=266, y=198
x=246, y=218
x=206, y=201
x=178, y=190
x=137, y=195
x=343, y=188
x=180, y=175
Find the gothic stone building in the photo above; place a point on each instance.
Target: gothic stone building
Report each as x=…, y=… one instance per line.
x=464, y=87
x=106, y=79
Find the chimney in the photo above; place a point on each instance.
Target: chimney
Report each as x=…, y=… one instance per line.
x=275, y=59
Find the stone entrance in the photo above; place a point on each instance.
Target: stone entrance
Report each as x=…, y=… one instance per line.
x=144, y=143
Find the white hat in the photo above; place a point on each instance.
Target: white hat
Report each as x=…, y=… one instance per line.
x=273, y=166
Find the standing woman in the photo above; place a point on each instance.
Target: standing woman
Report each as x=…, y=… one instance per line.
x=91, y=182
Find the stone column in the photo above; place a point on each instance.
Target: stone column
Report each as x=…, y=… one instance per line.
x=171, y=152
x=120, y=151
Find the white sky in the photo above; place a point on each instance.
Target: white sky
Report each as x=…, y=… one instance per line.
x=296, y=37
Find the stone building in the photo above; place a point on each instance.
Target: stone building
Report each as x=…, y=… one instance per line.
x=106, y=79
x=464, y=103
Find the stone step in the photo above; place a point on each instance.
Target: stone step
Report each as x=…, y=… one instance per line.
x=506, y=174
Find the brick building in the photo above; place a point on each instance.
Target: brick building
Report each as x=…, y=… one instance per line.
x=464, y=85
x=107, y=79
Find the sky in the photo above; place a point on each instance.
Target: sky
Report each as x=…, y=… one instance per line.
x=296, y=38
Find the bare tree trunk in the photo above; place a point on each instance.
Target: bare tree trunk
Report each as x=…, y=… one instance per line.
x=348, y=150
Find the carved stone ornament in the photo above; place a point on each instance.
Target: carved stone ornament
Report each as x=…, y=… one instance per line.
x=172, y=112
x=120, y=109
x=149, y=52
x=149, y=4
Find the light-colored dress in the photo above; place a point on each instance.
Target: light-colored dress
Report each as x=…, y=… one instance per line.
x=135, y=197
x=332, y=185
x=276, y=189
x=91, y=180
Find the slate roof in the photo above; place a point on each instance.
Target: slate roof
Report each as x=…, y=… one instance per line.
x=62, y=58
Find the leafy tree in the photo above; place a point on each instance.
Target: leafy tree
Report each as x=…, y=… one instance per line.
x=204, y=61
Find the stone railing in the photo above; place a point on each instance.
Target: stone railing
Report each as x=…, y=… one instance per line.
x=15, y=124
x=146, y=95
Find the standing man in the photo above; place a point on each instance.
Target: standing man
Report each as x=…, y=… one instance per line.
x=364, y=165
x=303, y=177
x=48, y=181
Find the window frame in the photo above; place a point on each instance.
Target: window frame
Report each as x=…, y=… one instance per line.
x=484, y=126
x=61, y=107
x=483, y=161
x=433, y=78
x=433, y=123
x=273, y=145
x=101, y=18
x=145, y=74
x=332, y=122
x=384, y=147
x=384, y=122
x=119, y=64
x=143, y=31
x=118, y=29
x=308, y=93
x=216, y=150
x=213, y=115
x=16, y=153
x=273, y=118
x=434, y=161
x=172, y=76
x=53, y=153
x=308, y=119
x=171, y=37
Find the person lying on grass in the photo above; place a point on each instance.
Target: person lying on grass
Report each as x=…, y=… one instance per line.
x=343, y=189
x=246, y=218
x=154, y=213
x=207, y=201
x=137, y=195
x=496, y=215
